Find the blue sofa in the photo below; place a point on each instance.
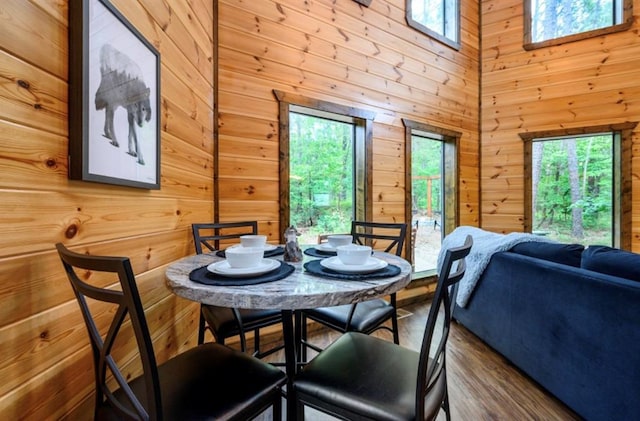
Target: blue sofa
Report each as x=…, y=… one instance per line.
x=575, y=331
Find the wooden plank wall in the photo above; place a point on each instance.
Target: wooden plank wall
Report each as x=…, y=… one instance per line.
x=585, y=83
x=335, y=51
x=45, y=363
x=348, y=54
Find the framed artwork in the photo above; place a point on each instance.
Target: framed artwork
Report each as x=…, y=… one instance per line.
x=114, y=99
x=365, y=3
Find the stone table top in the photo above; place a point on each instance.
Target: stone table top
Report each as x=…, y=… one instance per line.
x=299, y=290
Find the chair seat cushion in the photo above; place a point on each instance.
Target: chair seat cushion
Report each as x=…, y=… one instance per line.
x=215, y=390
x=386, y=373
x=368, y=315
x=222, y=321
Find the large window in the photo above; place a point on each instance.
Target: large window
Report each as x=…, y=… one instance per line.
x=426, y=200
x=431, y=184
x=440, y=19
x=321, y=173
x=325, y=163
x=551, y=22
x=572, y=190
x=577, y=182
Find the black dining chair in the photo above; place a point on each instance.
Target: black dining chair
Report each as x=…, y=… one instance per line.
x=225, y=322
x=324, y=238
x=362, y=377
x=209, y=381
x=366, y=316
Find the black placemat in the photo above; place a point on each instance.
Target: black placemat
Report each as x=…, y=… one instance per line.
x=314, y=252
x=316, y=268
x=203, y=276
x=267, y=253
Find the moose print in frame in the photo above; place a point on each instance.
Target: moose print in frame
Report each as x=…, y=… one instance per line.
x=114, y=94
x=122, y=85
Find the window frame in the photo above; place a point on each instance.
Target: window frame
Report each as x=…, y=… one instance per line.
x=622, y=176
x=455, y=44
x=363, y=151
x=528, y=44
x=450, y=176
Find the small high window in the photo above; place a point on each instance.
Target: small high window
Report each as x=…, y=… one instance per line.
x=553, y=22
x=440, y=19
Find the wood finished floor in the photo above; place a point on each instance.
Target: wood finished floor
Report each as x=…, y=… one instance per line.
x=482, y=384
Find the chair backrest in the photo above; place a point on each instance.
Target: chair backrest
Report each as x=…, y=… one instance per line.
x=323, y=238
x=210, y=234
x=80, y=269
x=370, y=232
x=433, y=349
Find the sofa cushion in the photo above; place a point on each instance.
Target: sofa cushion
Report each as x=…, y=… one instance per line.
x=566, y=254
x=612, y=261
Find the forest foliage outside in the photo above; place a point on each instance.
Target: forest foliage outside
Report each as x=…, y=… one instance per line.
x=321, y=176
x=572, y=189
x=572, y=182
x=426, y=170
x=426, y=200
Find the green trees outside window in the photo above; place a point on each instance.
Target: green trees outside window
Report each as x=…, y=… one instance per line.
x=426, y=200
x=426, y=169
x=321, y=175
x=572, y=188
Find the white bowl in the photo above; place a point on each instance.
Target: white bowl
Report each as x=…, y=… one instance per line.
x=353, y=254
x=337, y=240
x=244, y=257
x=253, y=240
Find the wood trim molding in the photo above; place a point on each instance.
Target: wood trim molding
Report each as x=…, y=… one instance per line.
x=426, y=127
x=321, y=105
x=577, y=131
x=216, y=112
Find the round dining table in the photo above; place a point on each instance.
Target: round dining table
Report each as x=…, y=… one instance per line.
x=299, y=290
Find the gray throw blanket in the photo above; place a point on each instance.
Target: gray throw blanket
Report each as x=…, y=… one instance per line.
x=485, y=243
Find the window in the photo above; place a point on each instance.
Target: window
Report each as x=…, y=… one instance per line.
x=552, y=22
x=432, y=188
x=440, y=19
x=576, y=181
x=321, y=174
x=324, y=166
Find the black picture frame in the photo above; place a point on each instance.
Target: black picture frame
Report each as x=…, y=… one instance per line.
x=365, y=3
x=114, y=99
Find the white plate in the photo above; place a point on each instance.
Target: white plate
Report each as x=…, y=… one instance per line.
x=325, y=247
x=371, y=265
x=222, y=268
